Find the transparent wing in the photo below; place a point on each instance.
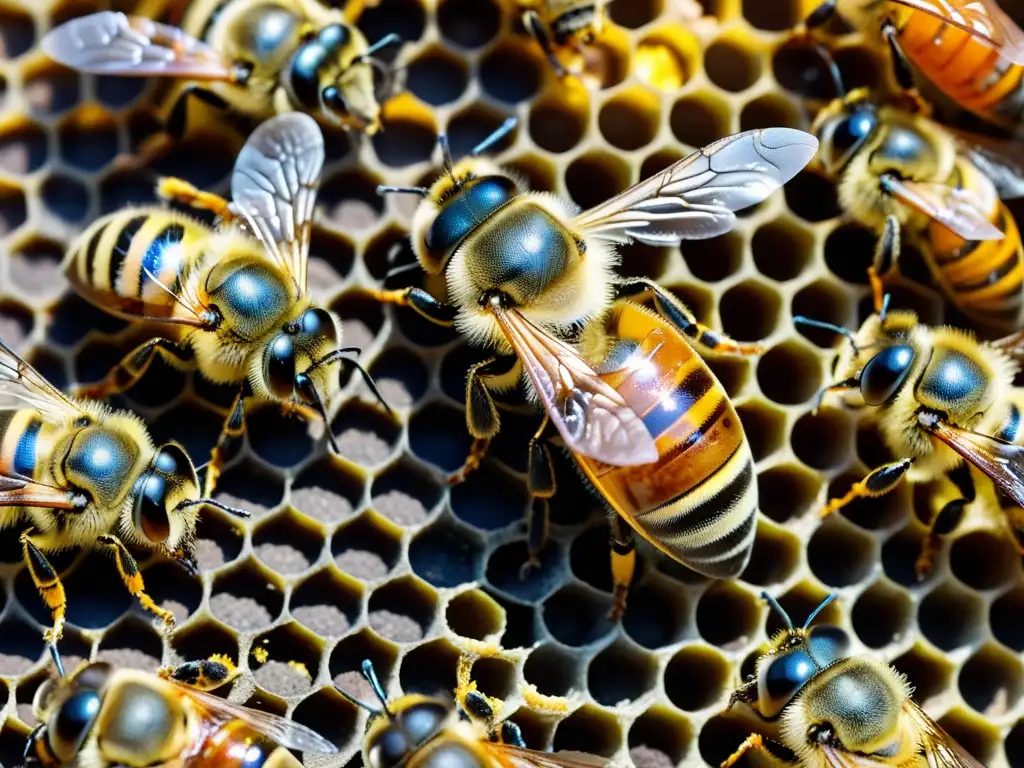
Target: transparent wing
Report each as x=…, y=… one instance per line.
x=983, y=20
x=958, y=210
x=519, y=757
x=591, y=416
x=1003, y=462
x=22, y=381
x=274, y=187
x=1001, y=161
x=838, y=758
x=285, y=732
x=940, y=749
x=111, y=43
x=695, y=198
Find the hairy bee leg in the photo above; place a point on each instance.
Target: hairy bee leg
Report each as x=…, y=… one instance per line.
x=537, y=526
x=48, y=583
x=202, y=675
x=878, y=482
x=480, y=708
x=902, y=70
x=134, y=365
x=820, y=15
x=482, y=418
x=230, y=437
x=180, y=191
x=753, y=741
x=677, y=313
x=132, y=578
x=623, y=553
x=426, y=305
x=887, y=253
x=954, y=504
x=540, y=32
x=542, y=486
x=746, y=693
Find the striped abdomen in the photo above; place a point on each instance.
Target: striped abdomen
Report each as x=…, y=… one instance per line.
x=698, y=502
x=237, y=745
x=973, y=74
x=117, y=262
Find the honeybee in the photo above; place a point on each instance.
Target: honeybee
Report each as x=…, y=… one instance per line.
x=235, y=305
x=947, y=407
x=422, y=731
x=257, y=58
x=838, y=710
x=526, y=271
x=101, y=716
x=945, y=190
x=971, y=50
x=75, y=473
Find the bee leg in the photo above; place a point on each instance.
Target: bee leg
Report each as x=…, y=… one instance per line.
x=227, y=443
x=425, y=304
x=947, y=518
x=820, y=15
x=878, y=482
x=623, y=565
x=902, y=70
x=132, y=578
x=677, y=313
x=745, y=693
x=48, y=583
x=537, y=527
x=180, y=191
x=753, y=741
x=133, y=366
x=511, y=735
x=204, y=675
x=482, y=419
x=477, y=706
x=887, y=253
x=541, y=483
x=542, y=34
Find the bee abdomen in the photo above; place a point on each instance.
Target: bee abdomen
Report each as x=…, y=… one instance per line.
x=447, y=753
x=19, y=437
x=238, y=745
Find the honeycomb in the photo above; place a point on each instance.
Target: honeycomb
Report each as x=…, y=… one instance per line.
x=369, y=554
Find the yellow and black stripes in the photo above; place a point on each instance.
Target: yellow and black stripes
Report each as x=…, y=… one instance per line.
x=19, y=442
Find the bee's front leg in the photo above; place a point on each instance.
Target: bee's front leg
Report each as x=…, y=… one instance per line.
x=47, y=582
x=128, y=569
x=482, y=418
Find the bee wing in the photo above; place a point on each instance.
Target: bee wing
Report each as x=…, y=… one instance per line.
x=940, y=749
x=285, y=732
x=695, y=198
x=112, y=43
x=1001, y=161
x=1003, y=462
x=274, y=186
x=839, y=758
x=591, y=416
x=983, y=20
x=21, y=380
x=509, y=756
x=958, y=210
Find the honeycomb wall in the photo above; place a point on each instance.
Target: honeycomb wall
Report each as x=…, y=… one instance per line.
x=369, y=553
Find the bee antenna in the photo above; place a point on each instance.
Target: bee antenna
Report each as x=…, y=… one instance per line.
x=800, y=320
x=361, y=704
x=318, y=404
x=885, y=307
x=385, y=190
x=446, y=155
x=58, y=662
x=774, y=605
x=188, y=503
x=832, y=68
x=378, y=690
x=819, y=609
x=384, y=42
x=336, y=357
x=496, y=135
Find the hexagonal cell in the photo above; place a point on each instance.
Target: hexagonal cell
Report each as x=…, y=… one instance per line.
x=557, y=124
x=782, y=250
x=731, y=65
x=595, y=177
x=219, y=540
x=727, y=616
x=368, y=547
x=469, y=23
x=577, y=616
x=659, y=738
x=821, y=301
x=365, y=434
x=823, y=440
x=839, y=554
x=849, y=251
x=173, y=589
x=983, y=560
x=928, y=672
x=21, y=646
x=328, y=603
x=951, y=617
x=15, y=323
x=494, y=677
x=474, y=614
x=432, y=438
x=714, y=259
x=66, y=198
x=899, y=555
x=35, y=267
x=246, y=598
x=775, y=557
x=350, y=201
x=294, y=660
x=430, y=668
x=552, y=669
x=812, y=197
x=400, y=376
x=17, y=33
x=202, y=639
x=621, y=673
x=512, y=71
x=447, y=554
x=882, y=614
x=22, y=147
x=329, y=715
x=700, y=119
x=278, y=437
x=50, y=91
x=12, y=208
x=789, y=373
x=1004, y=618
x=750, y=311
x=362, y=319
x=505, y=571
x=798, y=67
x=770, y=111
x=249, y=486
x=658, y=613
x=120, y=190
x=697, y=677
x=405, y=494
x=764, y=426
x=402, y=610
x=787, y=491
x=666, y=59
x=131, y=644
x=349, y=654
x=720, y=736
x=589, y=558
x=490, y=499
x=332, y=254
x=589, y=729
x=630, y=120
x=410, y=134
x=88, y=139
x=326, y=491
x=436, y=76
x=287, y=544
x=991, y=680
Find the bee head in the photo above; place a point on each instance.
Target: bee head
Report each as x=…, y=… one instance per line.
x=67, y=710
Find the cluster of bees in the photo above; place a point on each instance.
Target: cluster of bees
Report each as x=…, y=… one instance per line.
x=530, y=277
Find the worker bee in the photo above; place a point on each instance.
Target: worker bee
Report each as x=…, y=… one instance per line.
x=945, y=190
x=75, y=473
x=947, y=407
x=525, y=271
x=235, y=305
x=257, y=58
x=838, y=710
x=102, y=716
x=422, y=731
x=971, y=50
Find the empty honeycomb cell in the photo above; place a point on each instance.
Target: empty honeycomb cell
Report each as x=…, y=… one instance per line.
x=350, y=201
x=495, y=677
x=799, y=68
x=331, y=255
x=588, y=558
x=65, y=197
x=95, y=593
x=700, y=119
x=1004, y=618
x=368, y=547
x=365, y=435
x=436, y=76
x=658, y=613
x=12, y=739
x=823, y=440
x=839, y=554
x=23, y=147
x=951, y=617
x=849, y=251
x=12, y=208
x=697, y=677
x=116, y=92
x=512, y=70
x=88, y=139
x=400, y=376
x=730, y=65
x=202, y=639
x=782, y=249
x=362, y=319
x=1014, y=745
x=349, y=654
x=640, y=260
x=50, y=91
x=764, y=426
x=121, y=189
x=17, y=33
x=287, y=544
x=73, y=318
x=430, y=669
x=490, y=499
x=505, y=571
x=327, y=713
x=727, y=616
x=469, y=23
x=823, y=301
x=630, y=120
x=557, y=123
x=35, y=267
x=749, y=310
x=984, y=560
x=991, y=680
x=405, y=494
x=552, y=669
x=721, y=735
x=402, y=610
x=663, y=731
x=900, y=553
x=20, y=646
x=131, y=644
x=789, y=373
x=975, y=734
x=432, y=438
x=772, y=15
x=327, y=491
x=775, y=557
x=589, y=729
x=327, y=603
x=595, y=177
x=245, y=598
x=278, y=437
x=771, y=111
x=15, y=323
x=294, y=663
x=409, y=137
x=621, y=673
x=404, y=17
x=811, y=197
x=173, y=589
x=446, y=554
x=577, y=616
x=474, y=614
x=250, y=487
x=882, y=614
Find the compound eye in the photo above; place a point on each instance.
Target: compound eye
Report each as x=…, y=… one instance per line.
x=851, y=132
x=333, y=99
x=279, y=366
x=70, y=726
x=172, y=459
x=827, y=644
x=317, y=322
x=783, y=677
x=885, y=373
x=150, y=514
x=304, y=386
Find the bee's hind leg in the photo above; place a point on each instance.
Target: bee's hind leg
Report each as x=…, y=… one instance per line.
x=623, y=564
x=758, y=742
x=133, y=366
x=482, y=418
x=947, y=518
x=128, y=569
x=542, y=486
x=878, y=482
x=227, y=444
x=48, y=583
x=182, y=192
